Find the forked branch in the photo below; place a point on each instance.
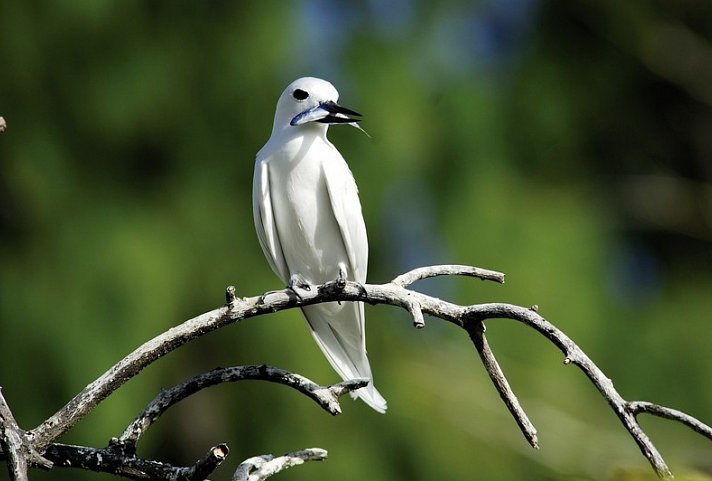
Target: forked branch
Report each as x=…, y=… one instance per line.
x=396, y=293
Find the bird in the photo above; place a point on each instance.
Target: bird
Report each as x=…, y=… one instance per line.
x=309, y=221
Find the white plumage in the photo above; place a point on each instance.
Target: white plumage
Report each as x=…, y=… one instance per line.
x=309, y=222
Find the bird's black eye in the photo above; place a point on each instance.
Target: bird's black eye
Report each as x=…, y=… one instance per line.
x=300, y=94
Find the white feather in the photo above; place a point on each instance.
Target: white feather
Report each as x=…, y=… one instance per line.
x=309, y=222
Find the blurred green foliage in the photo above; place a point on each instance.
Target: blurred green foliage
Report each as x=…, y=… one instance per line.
x=568, y=144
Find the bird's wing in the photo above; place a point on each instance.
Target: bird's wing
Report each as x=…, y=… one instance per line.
x=332, y=326
x=343, y=195
x=345, y=204
x=264, y=220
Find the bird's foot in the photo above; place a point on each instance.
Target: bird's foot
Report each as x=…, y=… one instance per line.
x=341, y=277
x=297, y=283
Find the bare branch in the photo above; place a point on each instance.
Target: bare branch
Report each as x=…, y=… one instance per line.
x=404, y=280
x=126, y=369
x=232, y=312
x=574, y=355
x=208, y=463
x=262, y=467
x=476, y=330
x=326, y=397
x=339, y=389
x=12, y=443
x=14, y=446
x=417, y=314
x=394, y=293
x=119, y=458
x=114, y=459
x=637, y=407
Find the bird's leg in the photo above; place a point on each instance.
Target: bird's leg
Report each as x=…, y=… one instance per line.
x=341, y=277
x=297, y=282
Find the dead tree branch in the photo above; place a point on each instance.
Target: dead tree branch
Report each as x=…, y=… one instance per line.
x=119, y=457
x=396, y=293
x=114, y=459
x=262, y=467
x=326, y=397
x=476, y=330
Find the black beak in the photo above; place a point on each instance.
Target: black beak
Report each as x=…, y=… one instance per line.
x=338, y=114
x=327, y=113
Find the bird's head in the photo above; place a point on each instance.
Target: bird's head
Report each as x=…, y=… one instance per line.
x=310, y=100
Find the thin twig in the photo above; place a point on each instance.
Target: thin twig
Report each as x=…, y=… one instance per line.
x=420, y=273
x=208, y=463
x=417, y=315
x=476, y=330
x=637, y=407
x=262, y=467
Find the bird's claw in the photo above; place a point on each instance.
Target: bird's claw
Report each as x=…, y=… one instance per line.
x=341, y=277
x=297, y=283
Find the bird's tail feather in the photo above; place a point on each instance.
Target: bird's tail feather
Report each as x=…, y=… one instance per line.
x=337, y=330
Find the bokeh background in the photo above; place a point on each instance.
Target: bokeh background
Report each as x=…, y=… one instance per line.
x=566, y=143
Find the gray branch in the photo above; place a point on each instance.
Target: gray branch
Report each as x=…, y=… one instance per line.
x=13, y=441
x=476, y=330
x=404, y=280
x=262, y=467
x=637, y=407
x=471, y=318
x=115, y=459
x=119, y=457
x=326, y=397
x=238, y=309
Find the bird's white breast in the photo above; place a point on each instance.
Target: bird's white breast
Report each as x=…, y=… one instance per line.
x=310, y=236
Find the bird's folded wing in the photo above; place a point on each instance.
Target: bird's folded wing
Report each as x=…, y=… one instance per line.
x=343, y=195
x=264, y=220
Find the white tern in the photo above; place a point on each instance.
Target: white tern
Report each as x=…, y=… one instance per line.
x=309, y=222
